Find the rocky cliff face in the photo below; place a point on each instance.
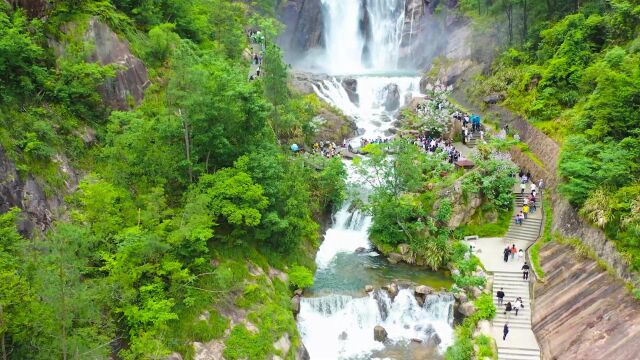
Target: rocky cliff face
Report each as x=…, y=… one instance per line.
x=34, y=8
x=28, y=194
x=581, y=312
x=127, y=88
x=303, y=19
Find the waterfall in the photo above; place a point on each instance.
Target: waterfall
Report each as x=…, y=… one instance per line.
x=362, y=35
x=341, y=327
x=363, y=40
x=348, y=233
x=374, y=112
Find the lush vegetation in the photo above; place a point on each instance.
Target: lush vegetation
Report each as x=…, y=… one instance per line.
x=572, y=70
x=463, y=346
x=187, y=204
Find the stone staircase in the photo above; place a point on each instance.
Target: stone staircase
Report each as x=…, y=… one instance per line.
x=521, y=343
x=473, y=139
x=530, y=228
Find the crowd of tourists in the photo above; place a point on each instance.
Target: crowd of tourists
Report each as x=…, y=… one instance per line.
x=327, y=149
x=436, y=144
x=257, y=38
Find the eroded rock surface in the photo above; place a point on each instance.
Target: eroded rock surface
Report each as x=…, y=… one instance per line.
x=581, y=312
x=131, y=77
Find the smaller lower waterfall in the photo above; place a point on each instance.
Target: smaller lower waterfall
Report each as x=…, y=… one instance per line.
x=341, y=327
x=348, y=233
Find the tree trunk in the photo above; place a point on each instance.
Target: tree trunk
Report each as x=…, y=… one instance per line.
x=63, y=300
x=525, y=15
x=2, y=344
x=187, y=144
x=509, y=11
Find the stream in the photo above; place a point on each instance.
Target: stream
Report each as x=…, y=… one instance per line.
x=337, y=317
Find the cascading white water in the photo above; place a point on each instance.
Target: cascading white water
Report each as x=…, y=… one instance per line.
x=362, y=39
x=348, y=233
x=362, y=44
x=341, y=327
x=372, y=113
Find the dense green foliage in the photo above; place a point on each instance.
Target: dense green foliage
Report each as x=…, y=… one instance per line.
x=396, y=172
x=575, y=75
x=186, y=202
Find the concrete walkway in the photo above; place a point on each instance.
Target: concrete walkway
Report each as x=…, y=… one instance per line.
x=521, y=343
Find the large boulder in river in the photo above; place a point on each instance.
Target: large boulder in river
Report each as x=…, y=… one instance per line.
x=423, y=290
x=392, y=290
x=394, y=258
x=391, y=96
x=379, y=334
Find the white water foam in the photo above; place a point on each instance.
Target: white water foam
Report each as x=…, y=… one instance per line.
x=348, y=233
x=370, y=114
x=341, y=327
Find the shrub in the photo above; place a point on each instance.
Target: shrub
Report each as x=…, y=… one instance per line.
x=300, y=277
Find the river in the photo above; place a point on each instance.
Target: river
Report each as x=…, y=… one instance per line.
x=337, y=317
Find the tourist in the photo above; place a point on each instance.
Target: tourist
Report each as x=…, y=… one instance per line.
x=521, y=218
x=540, y=184
x=520, y=256
x=528, y=174
x=517, y=305
x=525, y=210
x=532, y=204
x=525, y=200
x=506, y=253
x=522, y=187
x=500, y=295
x=533, y=187
x=518, y=220
x=505, y=331
x=514, y=251
x=525, y=179
x=508, y=308
x=525, y=271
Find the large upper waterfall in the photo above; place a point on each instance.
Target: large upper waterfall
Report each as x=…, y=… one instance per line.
x=362, y=35
x=363, y=40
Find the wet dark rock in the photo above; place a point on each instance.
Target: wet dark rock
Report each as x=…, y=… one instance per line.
x=295, y=305
x=361, y=250
x=368, y=288
x=351, y=87
x=343, y=336
x=391, y=95
x=309, y=26
x=379, y=334
x=302, y=353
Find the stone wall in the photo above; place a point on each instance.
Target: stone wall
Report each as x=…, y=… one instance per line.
x=581, y=312
x=566, y=220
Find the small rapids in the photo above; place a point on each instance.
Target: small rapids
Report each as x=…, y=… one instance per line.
x=341, y=326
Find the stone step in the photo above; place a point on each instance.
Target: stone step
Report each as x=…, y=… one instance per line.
x=516, y=356
x=505, y=274
x=512, y=326
x=521, y=317
x=519, y=351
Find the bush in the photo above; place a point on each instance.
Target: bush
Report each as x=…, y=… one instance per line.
x=300, y=277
